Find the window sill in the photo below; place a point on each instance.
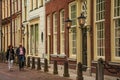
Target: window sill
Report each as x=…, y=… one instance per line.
x=61, y=55
x=53, y=55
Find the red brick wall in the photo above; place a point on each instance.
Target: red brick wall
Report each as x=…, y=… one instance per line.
x=92, y=33
x=56, y=6
x=107, y=30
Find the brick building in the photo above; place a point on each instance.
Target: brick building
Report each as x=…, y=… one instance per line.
x=56, y=32
x=105, y=41
x=11, y=23
x=102, y=41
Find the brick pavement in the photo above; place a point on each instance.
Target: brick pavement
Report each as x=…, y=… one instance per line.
x=86, y=75
x=27, y=74
x=72, y=73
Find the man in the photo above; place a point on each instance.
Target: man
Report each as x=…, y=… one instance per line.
x=21, y=56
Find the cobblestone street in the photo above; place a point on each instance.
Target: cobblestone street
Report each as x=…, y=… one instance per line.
x=27, y=74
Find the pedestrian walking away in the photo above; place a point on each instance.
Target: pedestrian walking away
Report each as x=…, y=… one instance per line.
x=21, y=56
x=10, y=57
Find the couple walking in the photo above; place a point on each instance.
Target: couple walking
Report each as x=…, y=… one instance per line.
x=20, y=52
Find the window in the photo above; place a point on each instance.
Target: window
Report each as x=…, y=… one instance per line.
x=25, y=9
x=74, y=40
x=19, y=5
x=15, y=6
x=31, y=4
x=8, y=8
x=73, y=14
x=116, y=8
x=117, y=37
x=40, y=3
x=36, y=3
x=62, y=29
x=117, y=27
x=48, y=25
x=3, y=9
x=34, y=39
x=100, y=39
x=55, y=32
x=100, y=10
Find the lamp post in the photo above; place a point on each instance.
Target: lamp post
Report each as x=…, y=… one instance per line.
x=81, y=21
x=68, y=23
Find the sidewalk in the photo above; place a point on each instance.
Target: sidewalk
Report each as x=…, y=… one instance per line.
x=73, y=74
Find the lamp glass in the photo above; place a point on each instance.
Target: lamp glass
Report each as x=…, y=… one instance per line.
x=69, y=24
x=81, y=20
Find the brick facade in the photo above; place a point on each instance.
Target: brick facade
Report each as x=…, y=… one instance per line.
x=57, y=6
x=9, y=21
x=107, y=36
x=107, y=29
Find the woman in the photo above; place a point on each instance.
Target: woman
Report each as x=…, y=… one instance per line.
x=10, y=56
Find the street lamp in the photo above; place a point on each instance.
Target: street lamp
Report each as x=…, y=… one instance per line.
x=81, y=21
x=68, y=23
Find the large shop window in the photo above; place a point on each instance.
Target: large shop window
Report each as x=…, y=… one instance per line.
x=34, y=38
x=100, y=37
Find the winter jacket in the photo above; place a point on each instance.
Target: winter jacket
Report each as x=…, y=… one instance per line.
x=10, y=54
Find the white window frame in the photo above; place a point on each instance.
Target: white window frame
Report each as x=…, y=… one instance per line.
x=116, y=17
x=73, y=31
x=48, y=24
x=34, y=48
x=99, y=19
x=100, y=39
x=55, y=33
x=62, y=30
x=73, y=19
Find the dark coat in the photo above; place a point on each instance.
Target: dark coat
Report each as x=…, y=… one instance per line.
x=21, y=57
x=10, y=54
x=18, y=51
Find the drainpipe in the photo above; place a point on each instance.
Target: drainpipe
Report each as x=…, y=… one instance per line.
x=11, y=22
x=1, y=25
